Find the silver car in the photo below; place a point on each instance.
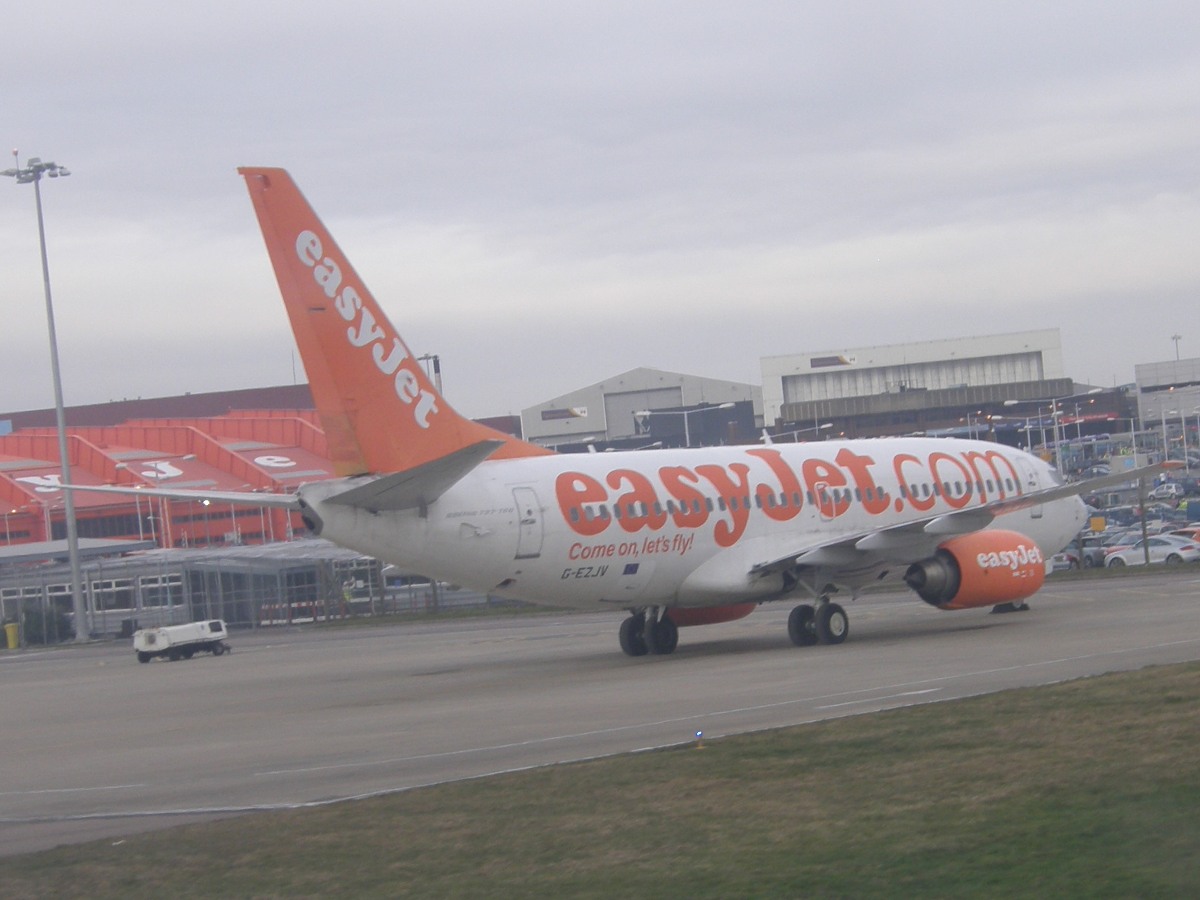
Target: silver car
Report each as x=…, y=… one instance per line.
x=1170, y=549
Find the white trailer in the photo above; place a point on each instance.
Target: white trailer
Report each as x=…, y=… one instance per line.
x=181, y=641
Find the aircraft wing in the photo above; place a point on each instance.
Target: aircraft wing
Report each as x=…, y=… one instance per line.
x=919, y=538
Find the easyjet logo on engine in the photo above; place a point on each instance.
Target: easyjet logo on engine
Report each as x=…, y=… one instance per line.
x=765, y=481
x=390, y=355
x=1013, y=560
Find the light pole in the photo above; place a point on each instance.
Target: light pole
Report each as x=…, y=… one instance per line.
x=1163, y=412
x=32, y=172
x=1197, y=412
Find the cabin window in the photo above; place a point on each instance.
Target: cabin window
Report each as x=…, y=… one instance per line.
x=574, y=513
x=616, y=510
x=796, y=498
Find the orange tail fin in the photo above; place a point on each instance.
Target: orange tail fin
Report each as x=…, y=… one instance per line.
x=380, y=411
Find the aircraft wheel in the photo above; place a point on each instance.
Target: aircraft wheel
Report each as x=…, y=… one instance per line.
x=832, y=624
x=662, y=637
x=632, y=641
x=802, y=626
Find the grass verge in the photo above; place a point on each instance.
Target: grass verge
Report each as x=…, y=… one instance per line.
x=1087, y=788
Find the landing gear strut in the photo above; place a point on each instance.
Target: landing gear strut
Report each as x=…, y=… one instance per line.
x=827, y=624
x=647, y=632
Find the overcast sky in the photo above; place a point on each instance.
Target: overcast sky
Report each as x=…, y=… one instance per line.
x=546, y=194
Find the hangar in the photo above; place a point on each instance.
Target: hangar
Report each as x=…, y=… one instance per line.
x=644, y=407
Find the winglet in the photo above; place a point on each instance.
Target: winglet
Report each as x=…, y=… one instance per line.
x=380, y=411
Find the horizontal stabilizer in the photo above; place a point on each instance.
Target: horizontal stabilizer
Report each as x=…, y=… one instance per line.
x=240, y=498
x=419, y=486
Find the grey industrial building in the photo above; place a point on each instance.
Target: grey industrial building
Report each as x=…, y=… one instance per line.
x=647, y=406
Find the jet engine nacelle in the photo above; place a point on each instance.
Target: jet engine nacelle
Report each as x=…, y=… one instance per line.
x=979, y=569
x=709, y=615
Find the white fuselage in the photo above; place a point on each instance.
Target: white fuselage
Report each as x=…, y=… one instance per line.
x=687, y=527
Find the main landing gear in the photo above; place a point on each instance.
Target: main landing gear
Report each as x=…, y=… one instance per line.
x=826, y=624
x=648, y=632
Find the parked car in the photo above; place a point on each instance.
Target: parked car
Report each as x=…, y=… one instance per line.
x=1093, y=550
x=1067, y=559
x=1119, y=540
x=1192, y=458
x=1168, y=490
x=1169, y=549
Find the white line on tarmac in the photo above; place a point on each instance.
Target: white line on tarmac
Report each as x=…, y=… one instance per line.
x=105, y=787
x=916, y=687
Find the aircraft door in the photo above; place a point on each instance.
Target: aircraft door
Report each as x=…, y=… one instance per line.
x=529, y=518
x=1029, y=482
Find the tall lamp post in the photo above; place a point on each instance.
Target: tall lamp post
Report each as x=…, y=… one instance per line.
x=33, y=171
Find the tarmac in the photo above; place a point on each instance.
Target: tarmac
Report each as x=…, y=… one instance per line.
x=97, y=746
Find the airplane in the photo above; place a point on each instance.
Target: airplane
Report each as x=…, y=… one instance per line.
x=675, y=537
